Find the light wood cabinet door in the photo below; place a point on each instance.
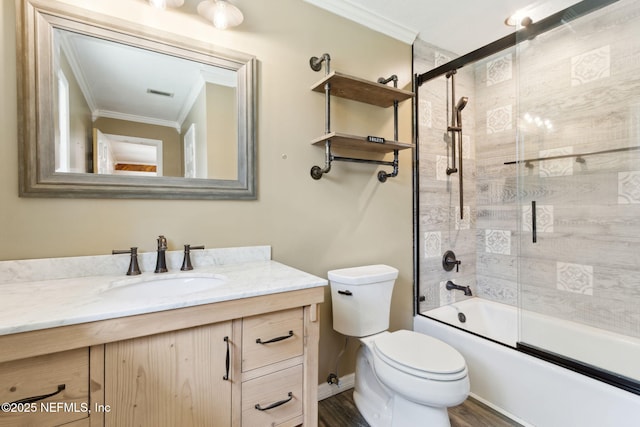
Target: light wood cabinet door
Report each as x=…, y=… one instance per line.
x=170, y=379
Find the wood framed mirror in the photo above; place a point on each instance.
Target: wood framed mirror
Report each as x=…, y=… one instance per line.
x=111, y=109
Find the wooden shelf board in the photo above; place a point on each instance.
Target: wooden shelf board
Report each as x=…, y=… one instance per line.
x=357, y=89
x=360, y=143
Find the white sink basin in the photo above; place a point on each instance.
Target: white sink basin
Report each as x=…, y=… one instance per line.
x=165, y=286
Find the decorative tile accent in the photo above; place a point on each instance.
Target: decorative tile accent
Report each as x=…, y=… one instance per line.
x=425, y=110
x=590, y=66
x=544, y=218
x=575, y=278
x=432, y=244
x=556, y=167
x=441, y=58
x=464, y=223
x=441, y=168
x=499, y=119
x=499, y=70
x=446, y=297
x=628, y=187
x=498, y=242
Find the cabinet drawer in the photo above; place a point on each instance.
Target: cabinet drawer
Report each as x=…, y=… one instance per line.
x=40, y=376
x=282, y=390
x=271, y=337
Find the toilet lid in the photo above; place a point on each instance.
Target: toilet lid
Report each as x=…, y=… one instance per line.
x=421, y=355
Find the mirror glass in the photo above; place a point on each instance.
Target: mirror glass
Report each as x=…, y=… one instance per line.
x=124, y=111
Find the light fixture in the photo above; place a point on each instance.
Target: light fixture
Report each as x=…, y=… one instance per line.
x=163, y=4
x=519, y=18
x=221, y=13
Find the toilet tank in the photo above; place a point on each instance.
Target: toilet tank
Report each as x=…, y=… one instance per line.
x=361, y=299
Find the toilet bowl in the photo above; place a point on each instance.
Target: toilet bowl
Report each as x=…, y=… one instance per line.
x=402, y=378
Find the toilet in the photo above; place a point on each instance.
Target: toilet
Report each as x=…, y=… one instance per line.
x=403, y=378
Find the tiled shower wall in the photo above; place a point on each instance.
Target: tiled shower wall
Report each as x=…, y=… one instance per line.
x=440, y=226
x=578, y=93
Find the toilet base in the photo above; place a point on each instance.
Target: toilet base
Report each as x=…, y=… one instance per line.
x=406, y=413
x=382, y=408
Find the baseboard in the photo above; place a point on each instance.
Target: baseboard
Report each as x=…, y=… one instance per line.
x=327, y=390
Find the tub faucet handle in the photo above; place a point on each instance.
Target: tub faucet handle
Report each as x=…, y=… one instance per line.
x=449, y=261
x=134, y=268
x=186, y=261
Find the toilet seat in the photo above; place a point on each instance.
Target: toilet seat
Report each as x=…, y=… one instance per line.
x=420, y=355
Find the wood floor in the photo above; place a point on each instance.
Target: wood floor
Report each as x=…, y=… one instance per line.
x=341, y=411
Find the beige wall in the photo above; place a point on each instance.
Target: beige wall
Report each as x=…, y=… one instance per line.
x=222, y=132
x=347, y=218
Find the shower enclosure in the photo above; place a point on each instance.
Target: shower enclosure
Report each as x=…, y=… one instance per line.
x=550, y=221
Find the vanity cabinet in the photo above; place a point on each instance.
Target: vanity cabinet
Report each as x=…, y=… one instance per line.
x=47, y=390
x=243, y=362
x=251, y=371
x=174, y=378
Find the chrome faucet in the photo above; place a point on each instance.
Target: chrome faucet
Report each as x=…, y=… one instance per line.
x=466, y=289
x=161, y=261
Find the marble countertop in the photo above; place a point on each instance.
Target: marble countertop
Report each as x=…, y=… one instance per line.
x=42, y=304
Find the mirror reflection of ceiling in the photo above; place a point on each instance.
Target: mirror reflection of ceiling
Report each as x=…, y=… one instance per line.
x=129, y=83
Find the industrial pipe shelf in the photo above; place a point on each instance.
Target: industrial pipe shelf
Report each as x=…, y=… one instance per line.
x=372, y=93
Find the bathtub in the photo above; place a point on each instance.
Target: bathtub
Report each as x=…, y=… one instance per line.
x=525, y=388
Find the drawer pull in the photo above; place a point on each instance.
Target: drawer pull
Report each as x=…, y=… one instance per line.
x=284, y=337
x=347, y=293
x=276, y=404
x=41, y=397
x=227, y=360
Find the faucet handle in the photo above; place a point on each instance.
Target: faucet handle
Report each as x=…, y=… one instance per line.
x=134, y=268
x=186, y=262
x=449, y=261
x=162, y=242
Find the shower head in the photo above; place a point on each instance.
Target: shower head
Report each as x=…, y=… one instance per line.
x=462, y=103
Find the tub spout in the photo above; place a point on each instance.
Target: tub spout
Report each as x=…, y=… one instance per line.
x=466, y=289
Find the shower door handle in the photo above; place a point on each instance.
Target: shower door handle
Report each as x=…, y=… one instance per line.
x=534, y=231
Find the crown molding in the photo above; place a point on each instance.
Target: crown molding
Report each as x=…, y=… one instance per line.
x=367, y=18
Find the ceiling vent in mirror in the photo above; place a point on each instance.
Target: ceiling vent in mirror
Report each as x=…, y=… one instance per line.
x=160, y=92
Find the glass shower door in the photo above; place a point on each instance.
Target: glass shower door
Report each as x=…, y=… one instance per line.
x=578, y=170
